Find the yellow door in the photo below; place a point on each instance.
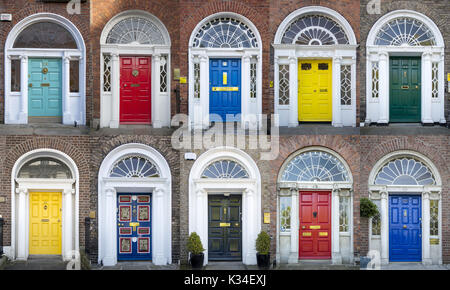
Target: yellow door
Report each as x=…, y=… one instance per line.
x=314, y=91
x=45, y=223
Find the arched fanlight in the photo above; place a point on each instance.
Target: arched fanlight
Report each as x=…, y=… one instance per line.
x=405, y=32
x=45, y=35
x=405, y=171
x=45, y=167
x=135, y=30
x=225, y=169
x=134, y=167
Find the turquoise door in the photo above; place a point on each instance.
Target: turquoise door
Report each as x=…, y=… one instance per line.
x=44, y=87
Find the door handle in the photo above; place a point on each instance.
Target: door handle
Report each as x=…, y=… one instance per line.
x=405, y=227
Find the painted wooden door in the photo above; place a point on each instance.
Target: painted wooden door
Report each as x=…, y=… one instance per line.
x=44, y=87
x=224, y=227
x=45, y=223
x=315, y=225
x=314, y=91
x=405, y=89
x=135, y=90
x=225, y=89
x=405, y=228
x=134, y=228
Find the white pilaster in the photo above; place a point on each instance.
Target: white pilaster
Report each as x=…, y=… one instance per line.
x=23, y=114
x=427, y=88
x=245, y=91
x=115, y=91
x=336, y=253
x=426, y=229
x=336, y=96
x=68, y=223
x=383, y=66
x=384, y=229
x=67, y=117
x=293, y=256
x=252, y=228
x=22, y=222
x=158, y=227
x=110, y=257
x=157, y=110
x=203, y=120
x=293, y=92
x=200, y=212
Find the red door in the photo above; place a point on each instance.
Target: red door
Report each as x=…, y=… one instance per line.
x=135, y=90
x=315, y=225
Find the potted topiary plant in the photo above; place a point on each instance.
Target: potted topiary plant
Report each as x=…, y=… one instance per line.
x=367, y=209
x=262, y=249
x=195, y=247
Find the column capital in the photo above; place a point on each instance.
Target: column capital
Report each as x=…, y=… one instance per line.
x=426, y=195
x=110, y=191
x=384, y=55
x=249, y=191
x=294, y=191
x=292, y=59
x=337, y=59
x=21, y=190
x=159, y=192
x=383, y=194
x=68, y=191
x=203, y=58
x=24, y=58
x=200, y=192
x=67, y=59
x=115, y=56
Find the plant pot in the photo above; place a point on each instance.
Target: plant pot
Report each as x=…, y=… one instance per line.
x=197, y=261
x=263, y=261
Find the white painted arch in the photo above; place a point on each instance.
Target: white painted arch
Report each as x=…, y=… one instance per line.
x=160, y=53
x=20, y=189
x=250, y=188
x=290, y=54
x=161, y=190
x=377, y=107
x=73, y=104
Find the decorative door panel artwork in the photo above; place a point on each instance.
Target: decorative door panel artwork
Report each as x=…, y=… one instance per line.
x=45, y=223
x=405, y=228
x=225, y=89
x=224, y=227
x=405, y=89
x=134, y=226
x=314, y=91
x=135, y=90
x=315, y=225
x=44, y=87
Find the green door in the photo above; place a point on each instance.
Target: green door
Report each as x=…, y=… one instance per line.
x=224, y=228
x=44, y=87
x=405, y=89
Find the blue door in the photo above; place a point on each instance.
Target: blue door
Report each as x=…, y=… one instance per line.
x=405, y=228
x=225, y=90
x=134, y=226
x=44, y=87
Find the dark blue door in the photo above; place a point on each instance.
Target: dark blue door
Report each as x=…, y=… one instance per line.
x=225, y=90
x=405, y=228
x=134, y=227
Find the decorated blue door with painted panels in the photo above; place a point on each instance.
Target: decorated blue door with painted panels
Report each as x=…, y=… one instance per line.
x=44, y=87
x=405, y=228
x=134, y=240
x=225, y=90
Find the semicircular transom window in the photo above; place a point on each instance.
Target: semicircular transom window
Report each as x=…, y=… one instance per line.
x=314, y=30
x=225, y=33
x=135, y=30
x=405, y=32
x=315, y=166
x=405, y=171
x=45, y=35
x=45, y=167
x=225, y=169
x=134, y=167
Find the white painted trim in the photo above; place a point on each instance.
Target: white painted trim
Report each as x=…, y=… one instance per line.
x=161, y=190
x=251, y=198
x=12, y=113
x=20, y=208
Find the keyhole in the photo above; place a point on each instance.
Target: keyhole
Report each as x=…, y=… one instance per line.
x=315, y=214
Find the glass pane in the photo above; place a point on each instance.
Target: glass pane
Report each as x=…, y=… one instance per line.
x=107, y=73
x=45, y=35
x=283, y=93
x=45, y=168
x=343, y=213
x=225, y=169
x=74, y=76
x=15, y=75
x=434, y=217
x=285, y=213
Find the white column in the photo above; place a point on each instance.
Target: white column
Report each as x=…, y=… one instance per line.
x=158, y=223
x=22, y=222
x=427, y=88
x=68, y=223
x=157, y=110
x=383, y=66
x=245, y=91
x=384, y=229
x=200, y=215
x=426, y=229
x=115, y=91
x=252, y=229
x=110, y=258
x=203, y=120
x=23, y=114
x=293, y=256
x=67, y=117
x=293, y=92
x=336, y=253
x=336, y=87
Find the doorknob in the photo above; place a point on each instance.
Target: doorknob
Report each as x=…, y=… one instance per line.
x=404, y=226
